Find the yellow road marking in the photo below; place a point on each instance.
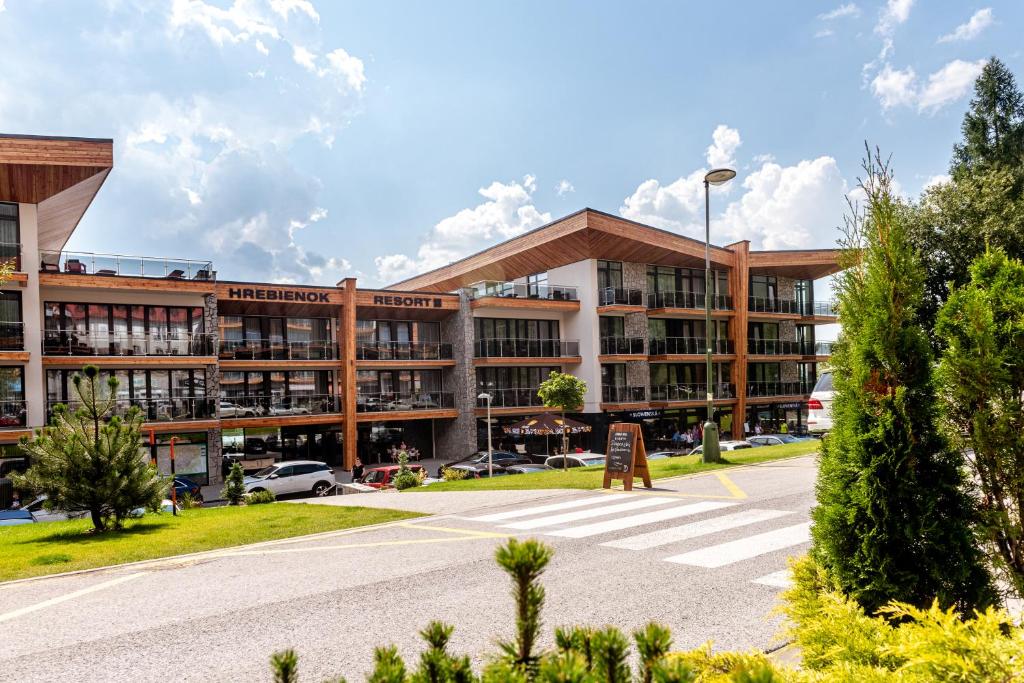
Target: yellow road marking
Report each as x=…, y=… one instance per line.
x=69, y=596
x=735, y=490
x=452, y=530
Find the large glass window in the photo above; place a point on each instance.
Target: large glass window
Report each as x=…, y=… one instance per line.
x=160, y=394
x=12, y=330
x=611, y=326
x=10, y=235
x=12, y=396
x=118, y=329
x=275, y=338
x=764, y=287
x=764, y=372
x=609, y=275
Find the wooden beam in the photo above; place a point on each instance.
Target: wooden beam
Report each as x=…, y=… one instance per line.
x=394, y=415
x=527, y=304
x=402, y=364
x=739, y=285
x=282, y=420
x=278, y=364
x=561, y=360
x=347, y=344
x=129, y=361
x=125, y=282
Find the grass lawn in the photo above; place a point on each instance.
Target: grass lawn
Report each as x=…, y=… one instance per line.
x=593, y=477
x=52, y=547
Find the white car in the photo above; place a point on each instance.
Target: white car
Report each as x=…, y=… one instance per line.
x=819, y=406
x=579, y=460
x=293, y=476
x=725, y=446
x=228, y=409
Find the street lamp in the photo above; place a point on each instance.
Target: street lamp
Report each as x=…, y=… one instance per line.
x=710, y=451
x=490, y=450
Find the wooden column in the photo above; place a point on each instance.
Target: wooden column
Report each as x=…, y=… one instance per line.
x=739, y=283
x=347, y=344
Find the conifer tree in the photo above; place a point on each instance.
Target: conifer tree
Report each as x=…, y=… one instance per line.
x=234, y=485
x=993, y=128
x=892, y=520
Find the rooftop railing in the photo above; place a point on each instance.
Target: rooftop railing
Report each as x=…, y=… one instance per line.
x=157, y=409
x=397, y=401
x=84, y=263
x=526, y=348
x=691, y=391
x=398, y=350
x=75, y=343
x=520, y=290
x=276, y=405
x=719, y=302
x=276, y=349
x=688, y=346
x=623, y=394
x=622, y=346
x=612, y=296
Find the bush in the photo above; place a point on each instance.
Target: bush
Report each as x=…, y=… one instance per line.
x=234, y=485
x=405, y=478
x=451, y=474
x=260, y=497
x=188, y=502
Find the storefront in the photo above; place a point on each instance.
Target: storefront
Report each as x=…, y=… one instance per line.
x=659, y=425
x=322, y=443
x=771, y=416
x=379, y=442
x=533, y=445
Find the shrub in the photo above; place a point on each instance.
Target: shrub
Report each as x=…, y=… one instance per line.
x=452, y=474
x=188, y=502
x=260, y=497
x=405, y=478
x=234, y=485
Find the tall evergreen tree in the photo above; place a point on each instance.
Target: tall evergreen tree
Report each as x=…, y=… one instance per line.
x=993, y=128
x=892, y=521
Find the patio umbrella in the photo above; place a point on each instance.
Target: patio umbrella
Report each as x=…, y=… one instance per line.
x=546, y=424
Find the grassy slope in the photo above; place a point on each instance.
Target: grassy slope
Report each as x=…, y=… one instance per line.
x=52, y=547
x=593, y=477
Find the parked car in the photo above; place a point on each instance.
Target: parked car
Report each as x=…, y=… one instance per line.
x=479, y=470
x=183, y=485
x=289, y=410
x=660, y=455
x=384, y=476
x=578, y=460
x=526, y=469
x=819, y=406
x=497, y=457
x=10, y=466
x=293, y=476
x=38, y=509
x=724, y=446
x=16, y=517
x=228, y=409
x=774, y=439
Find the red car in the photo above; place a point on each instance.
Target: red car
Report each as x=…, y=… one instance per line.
x=381, y=477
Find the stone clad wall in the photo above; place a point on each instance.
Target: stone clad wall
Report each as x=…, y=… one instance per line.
x=634, y=276
x=457, y=438
x=214, y=442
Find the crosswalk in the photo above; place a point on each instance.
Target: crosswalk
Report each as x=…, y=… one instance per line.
x=594, y=517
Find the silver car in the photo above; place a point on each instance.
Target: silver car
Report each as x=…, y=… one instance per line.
x=293, y=476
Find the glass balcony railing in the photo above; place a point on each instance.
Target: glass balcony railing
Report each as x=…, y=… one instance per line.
x=614, y=296
x=510, y=398
x=12, y=336
x=276, y=349
x=394, y=402
x=779, y=388
x=11, y=251
x=719, y=302
x=789, y=306
x=83, y=263
x=691, y=391
x=622, y=346
x=623, y=394
x=823, y=348
x=12, y=412
x=73, y=343
x=520, y=290
x=251, y=405
x=526, y=348
x=689, y=346
x=396, y=350
x=158, y=409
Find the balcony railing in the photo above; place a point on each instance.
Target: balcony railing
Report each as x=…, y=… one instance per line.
x=11, y=251
x=12, y=412
x=519, y=290
x=157, y=409
x=83, y=263
x=611, y=296
x=249, y=405
x=71, y=343
x=623, y=394
x=393, y=402
x=779, y=388
x=622, y=346
x=276, y=349
x=789, y=306
x=778, y=347
x=691, y=392
x=688, y=346
x=526, y=348
x=511, y=398
x=823, y=348
x=687, y=300
x=12, y=336
x=395, y=350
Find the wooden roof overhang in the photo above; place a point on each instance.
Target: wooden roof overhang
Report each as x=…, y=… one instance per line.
x=586, y=234
x=803, y=264
x=61, y=175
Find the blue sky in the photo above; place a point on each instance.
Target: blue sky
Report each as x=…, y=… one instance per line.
x=304, y=141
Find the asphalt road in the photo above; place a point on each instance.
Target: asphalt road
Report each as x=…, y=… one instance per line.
x=702, y=555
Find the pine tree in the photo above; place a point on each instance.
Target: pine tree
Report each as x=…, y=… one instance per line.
x=993, y=128
x=892, y=521
x=234, y=485
x=90, y=460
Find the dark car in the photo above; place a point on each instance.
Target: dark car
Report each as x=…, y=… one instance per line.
x=15, y=517
x=526, y=469
x=183, y=485
x=497, y=457
x=479, y=470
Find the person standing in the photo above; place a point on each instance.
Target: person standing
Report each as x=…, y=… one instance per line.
x=357, y=470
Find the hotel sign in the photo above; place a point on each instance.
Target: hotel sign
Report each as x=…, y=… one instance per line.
x=406, y=301
x=275, y=294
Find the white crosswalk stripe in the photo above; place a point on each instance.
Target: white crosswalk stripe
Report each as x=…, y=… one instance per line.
x=553, y=507
x=779, y=579
x=567, y=517
x=620, y=523
x=745, y=548
x=695, y=529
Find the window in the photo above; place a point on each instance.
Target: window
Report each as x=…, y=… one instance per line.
x=764, y=372
x=611, y=326
x=613, y=375
x=764, y=331
x=11, y=328
x=12, y=396
x=10, y=234
x=609, y=275
x=803, y=292
x=118, y=329
x=536, y=284
x=763, y=287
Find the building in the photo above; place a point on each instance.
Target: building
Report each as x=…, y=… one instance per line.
x=338, y=372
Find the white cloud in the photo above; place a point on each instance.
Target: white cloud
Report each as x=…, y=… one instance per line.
x=564, y=187
x=978, y=22
x=239, y=23
x=848, y=10
x=3, y=5
x=824, y=33
x=949, y=84
x=508, y=211
x=284, y=7
x=304, y=58
x=895, y=13
x=261, y=48
x=938, y=179
x=725, y=142
x=894, y=87
x=348, y=67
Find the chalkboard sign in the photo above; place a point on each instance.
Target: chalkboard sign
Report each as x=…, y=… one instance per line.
x=626, y=456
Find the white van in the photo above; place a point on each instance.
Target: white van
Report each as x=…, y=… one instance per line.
x=819, y=406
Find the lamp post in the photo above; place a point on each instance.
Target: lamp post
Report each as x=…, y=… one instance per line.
x=490, y=450
x=710, y=451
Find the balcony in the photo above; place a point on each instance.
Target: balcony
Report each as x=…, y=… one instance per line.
x=12, y=336
x=276, y=349
x=623, y=394
x=511, y=398
x=791, y=307
x=759, y=389
x=689, y=346
x=518, y=290
x=277, y=405
x=691, y=392
x=777, y=347
x=823, y=348
x=157, y=409
x=614, y=296
x=12, y=413
x=11, y=251
x=622, y=346
x=719, y=302
x=73, y=343
x=395, y=350
x=395, y=402
x=526, y=348
x=83, y=263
